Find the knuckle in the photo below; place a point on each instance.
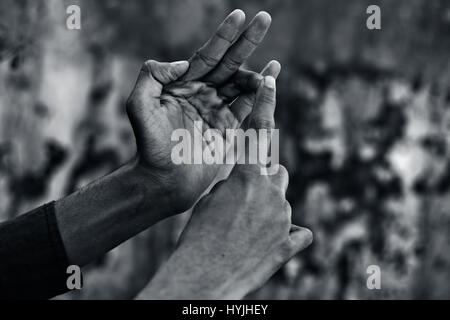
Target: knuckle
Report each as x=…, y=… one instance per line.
x=282, y=172
x=208, y=60
x=231, y=63
x=284, y=220
x=281, y=177
x=253, y=43
x=224, y=36
x=287, y=209
x=263, y=123
x=268, y=96
x=279, y=202
x=248, y=101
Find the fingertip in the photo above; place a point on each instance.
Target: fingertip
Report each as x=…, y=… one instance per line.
x=273, y=69
x=179, y=68
x=264, y=18
x=237, y=16
x=275, y=65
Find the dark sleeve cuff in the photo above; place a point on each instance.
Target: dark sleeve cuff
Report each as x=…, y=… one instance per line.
x=33, y=260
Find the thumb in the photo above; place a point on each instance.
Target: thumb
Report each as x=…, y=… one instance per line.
x=299, y=239
x=155, y=74
x=165, y=72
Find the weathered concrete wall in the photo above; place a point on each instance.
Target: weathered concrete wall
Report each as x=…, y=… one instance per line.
x=363, y=117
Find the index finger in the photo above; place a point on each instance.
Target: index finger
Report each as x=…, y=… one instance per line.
x=263, y=113
x=262, y=120
x=210, y=54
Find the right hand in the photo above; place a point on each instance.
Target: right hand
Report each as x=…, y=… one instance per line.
x=240, y=234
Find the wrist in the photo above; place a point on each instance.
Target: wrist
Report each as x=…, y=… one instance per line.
x=168, y=183
x=156, y=196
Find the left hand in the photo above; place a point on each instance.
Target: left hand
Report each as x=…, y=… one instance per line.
x=161, y=102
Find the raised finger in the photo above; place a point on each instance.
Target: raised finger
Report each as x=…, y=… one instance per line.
x=241, y=50
x=211, y=53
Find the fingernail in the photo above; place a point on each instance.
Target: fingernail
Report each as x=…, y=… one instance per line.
x=269, y=82
x=180, y=64
x=276, y=65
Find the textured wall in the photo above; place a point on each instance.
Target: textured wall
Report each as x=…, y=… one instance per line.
x=364, y=122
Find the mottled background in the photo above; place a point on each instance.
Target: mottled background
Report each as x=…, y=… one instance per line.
x=364, y=118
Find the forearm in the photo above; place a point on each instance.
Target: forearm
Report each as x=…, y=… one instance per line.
x=109, y=211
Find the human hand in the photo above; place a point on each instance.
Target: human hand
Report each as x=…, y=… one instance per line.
x=239, y=235
x=170, y=96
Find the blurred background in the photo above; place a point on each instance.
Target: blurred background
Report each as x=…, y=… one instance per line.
x=364, y=118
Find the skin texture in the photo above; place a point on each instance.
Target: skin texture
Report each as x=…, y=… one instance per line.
x=239, y=235
x=150, y=188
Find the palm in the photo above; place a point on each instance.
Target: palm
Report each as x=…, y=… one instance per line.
x=181, y=105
